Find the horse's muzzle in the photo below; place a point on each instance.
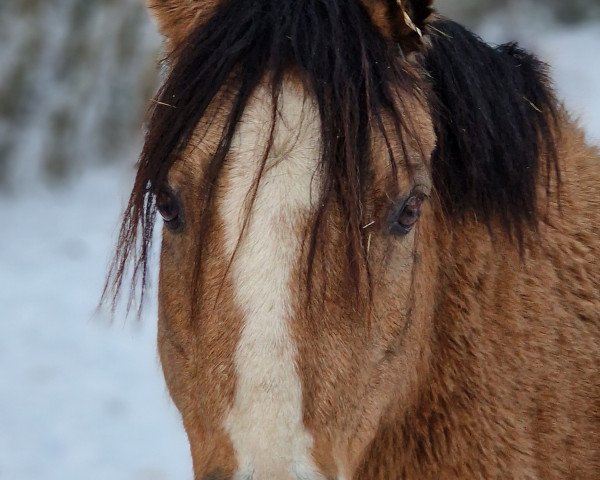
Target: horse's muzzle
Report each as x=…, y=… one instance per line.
x=217, y=475
x=220, y=475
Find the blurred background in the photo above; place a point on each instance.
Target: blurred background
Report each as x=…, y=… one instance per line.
x=81, y=397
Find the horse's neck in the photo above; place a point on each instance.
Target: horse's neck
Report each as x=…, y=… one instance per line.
x=511, y=334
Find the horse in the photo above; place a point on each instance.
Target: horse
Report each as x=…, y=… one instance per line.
x=379, y=251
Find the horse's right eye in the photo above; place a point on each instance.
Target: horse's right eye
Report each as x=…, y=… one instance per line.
x=168, y=207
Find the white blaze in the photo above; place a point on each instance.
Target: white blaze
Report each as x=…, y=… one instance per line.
x=265, y=423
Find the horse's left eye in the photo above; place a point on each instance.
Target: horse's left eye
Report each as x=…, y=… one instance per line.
x=169, y=209
x=405, y=216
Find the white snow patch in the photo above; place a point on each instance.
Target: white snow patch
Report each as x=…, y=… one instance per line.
x=79, y=398
x=572, y=55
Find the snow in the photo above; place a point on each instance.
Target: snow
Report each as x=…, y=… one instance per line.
x=575, y=57
x=572, y=54
x=81, y=398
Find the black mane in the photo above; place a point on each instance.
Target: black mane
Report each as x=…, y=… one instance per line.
x=496, y=122
x=492, y=109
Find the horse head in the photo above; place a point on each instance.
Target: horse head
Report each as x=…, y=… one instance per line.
x=326, y=170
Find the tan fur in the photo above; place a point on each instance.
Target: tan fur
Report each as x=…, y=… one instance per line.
x=512, y=386
x=378, y=11
x=403, y=25
x=473, y=362
x=197, y=356
x=175, y=18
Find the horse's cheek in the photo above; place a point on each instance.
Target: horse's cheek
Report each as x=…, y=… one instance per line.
x=173, y=342
x=173, y=362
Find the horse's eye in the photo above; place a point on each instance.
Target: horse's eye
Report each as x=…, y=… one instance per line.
x=168, y=207
x=405, y=216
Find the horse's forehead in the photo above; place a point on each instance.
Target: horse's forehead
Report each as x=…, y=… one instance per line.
x=292, y=126
x=297, y=131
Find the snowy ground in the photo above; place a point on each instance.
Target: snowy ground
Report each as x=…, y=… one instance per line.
x=82, y=399
x=79, y=398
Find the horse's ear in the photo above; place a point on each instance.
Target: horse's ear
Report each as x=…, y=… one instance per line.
x=176, y=18
x=403, y=21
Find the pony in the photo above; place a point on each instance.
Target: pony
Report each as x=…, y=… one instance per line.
x=380, y=247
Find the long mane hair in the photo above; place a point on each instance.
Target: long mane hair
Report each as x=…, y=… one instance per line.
x=495, y=116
